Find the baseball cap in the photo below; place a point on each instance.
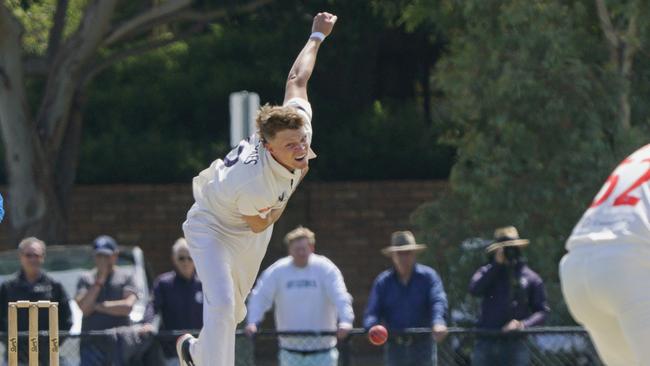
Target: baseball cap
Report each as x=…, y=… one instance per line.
x=105, y=245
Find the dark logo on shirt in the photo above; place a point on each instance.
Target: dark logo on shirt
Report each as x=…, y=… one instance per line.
x=301, y=284
x=254, y=156
x=281, y=197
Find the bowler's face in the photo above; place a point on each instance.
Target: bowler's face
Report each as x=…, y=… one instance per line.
x=289, y=148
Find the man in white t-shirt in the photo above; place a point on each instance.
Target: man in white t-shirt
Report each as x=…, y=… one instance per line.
x=308, y=294
x=606, y=274
x=238, y=199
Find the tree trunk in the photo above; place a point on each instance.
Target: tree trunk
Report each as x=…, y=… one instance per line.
x=31, y=205
x=623, y=46
x=42, y=151
x=68, y=157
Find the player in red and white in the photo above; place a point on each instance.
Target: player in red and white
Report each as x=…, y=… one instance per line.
x=238, y=199
x=606, y=274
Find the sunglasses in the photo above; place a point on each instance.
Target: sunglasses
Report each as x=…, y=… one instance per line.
x=184, y=258
x=32, y=255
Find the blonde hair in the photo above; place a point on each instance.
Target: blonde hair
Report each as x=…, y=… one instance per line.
x=31, y=240
x=179, y=245
x=273, y=119
x=299, y=233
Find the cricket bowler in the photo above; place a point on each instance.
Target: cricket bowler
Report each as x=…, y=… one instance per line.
x=237, y=201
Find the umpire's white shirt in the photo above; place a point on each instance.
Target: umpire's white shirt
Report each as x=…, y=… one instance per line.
x=311, y=298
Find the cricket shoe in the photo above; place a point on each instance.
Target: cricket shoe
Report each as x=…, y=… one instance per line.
x=183, y=344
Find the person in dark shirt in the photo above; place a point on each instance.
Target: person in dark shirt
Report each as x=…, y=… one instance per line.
x=513, y=298
x=32, y=283
x=106, y=296
x=178, y=298
x=410, y=295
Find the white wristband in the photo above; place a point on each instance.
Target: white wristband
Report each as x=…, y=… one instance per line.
x=319, y=35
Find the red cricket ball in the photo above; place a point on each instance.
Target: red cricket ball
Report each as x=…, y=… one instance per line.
x=377, y=335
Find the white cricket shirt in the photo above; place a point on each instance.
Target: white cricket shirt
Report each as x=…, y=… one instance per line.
x=312, y=298
x=248, y=181
x=619, y=212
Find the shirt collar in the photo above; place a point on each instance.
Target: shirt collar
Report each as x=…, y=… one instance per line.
x=415, y=271
x=180, y=277
x=23, y=278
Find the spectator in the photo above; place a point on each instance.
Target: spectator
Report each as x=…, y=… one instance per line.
x=33, y=284
x=139, y=341
x=178, y=299
x=308, y=294
x=409, y=295
x=105, y=296
x=513, y=299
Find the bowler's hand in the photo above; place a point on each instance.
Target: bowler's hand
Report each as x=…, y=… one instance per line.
x=514, y=324
x=250, y=330
x=324, y=22
x=439, y=332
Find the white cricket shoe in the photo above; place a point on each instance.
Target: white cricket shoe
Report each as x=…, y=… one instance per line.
x=183, y=344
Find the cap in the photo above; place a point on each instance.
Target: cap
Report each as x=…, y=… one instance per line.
x=105, y=245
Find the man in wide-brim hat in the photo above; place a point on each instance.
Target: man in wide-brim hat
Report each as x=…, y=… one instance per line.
x=513, y=298
x=402, y=241
x=506, y=237
x=409, y=295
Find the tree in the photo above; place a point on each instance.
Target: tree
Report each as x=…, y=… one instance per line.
x=532, y=105
x=357, y=95
x=58, y=57
x=624, y=33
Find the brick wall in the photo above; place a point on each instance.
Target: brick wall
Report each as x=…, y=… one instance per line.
x=352, y=221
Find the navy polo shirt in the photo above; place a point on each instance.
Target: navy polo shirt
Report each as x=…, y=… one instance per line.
x=178, y=301
x=421, y=302
x=45, y=288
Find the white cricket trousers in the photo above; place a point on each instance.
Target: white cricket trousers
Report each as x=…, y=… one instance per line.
x=227, y=272
x=607, y=289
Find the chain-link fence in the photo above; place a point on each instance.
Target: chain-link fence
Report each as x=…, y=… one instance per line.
x=134, y=346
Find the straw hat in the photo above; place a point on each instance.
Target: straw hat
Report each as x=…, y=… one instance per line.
x=506, y=237
x=402, y=241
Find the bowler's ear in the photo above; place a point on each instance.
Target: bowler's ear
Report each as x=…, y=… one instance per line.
x=267, y=145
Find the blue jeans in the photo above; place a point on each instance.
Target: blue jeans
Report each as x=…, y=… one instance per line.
x=420, y=352
x=317, y=359
x=510, y=351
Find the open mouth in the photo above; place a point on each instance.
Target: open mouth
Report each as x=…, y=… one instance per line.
x=300, y=158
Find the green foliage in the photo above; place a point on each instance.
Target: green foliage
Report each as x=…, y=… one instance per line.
x=163, y=116
x=531, y=108
x=37, y=20
x=150, y=118
x=387, y=140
